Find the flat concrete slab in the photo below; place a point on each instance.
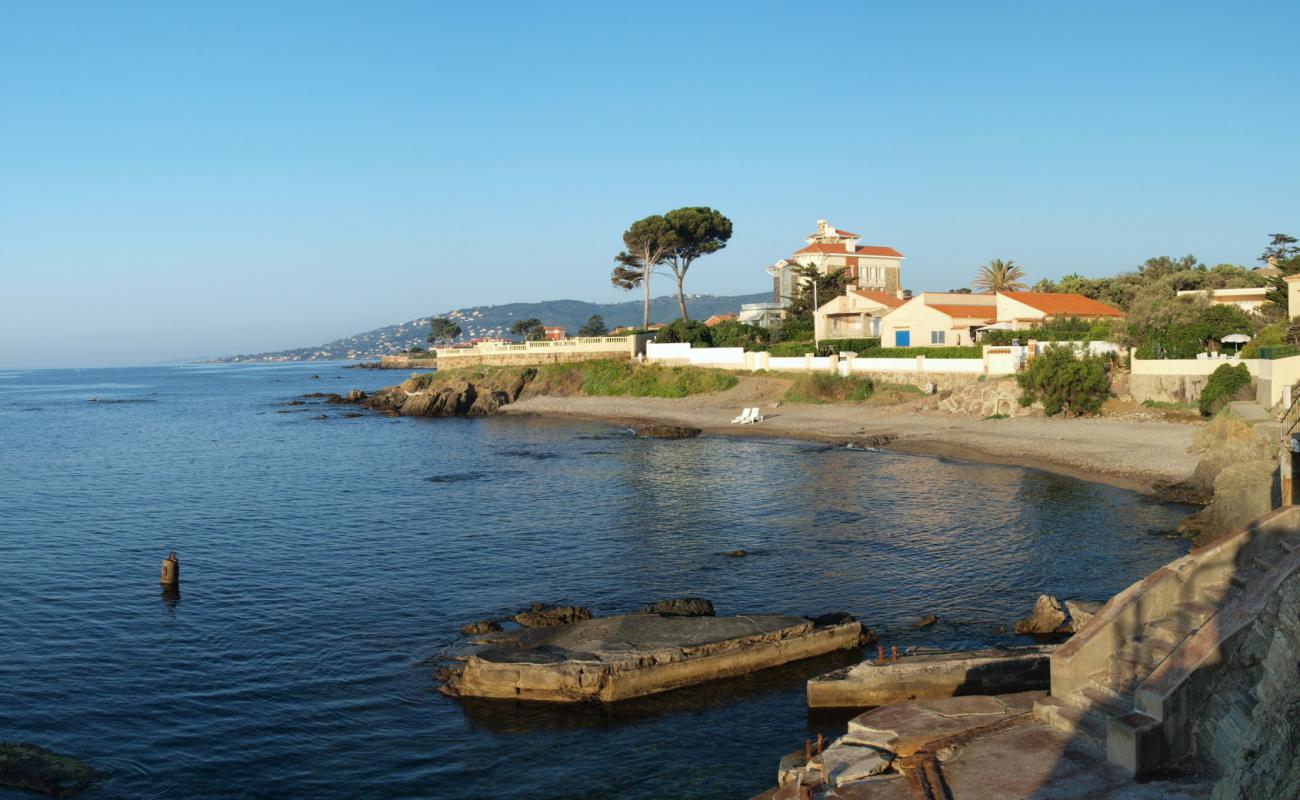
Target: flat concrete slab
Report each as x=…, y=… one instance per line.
x=613, y=658
x=907, y=728
x=995, y=670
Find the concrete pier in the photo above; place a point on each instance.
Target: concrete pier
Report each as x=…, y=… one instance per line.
x=614, y=658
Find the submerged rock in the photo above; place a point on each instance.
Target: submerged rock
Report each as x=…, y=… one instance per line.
x=926, y=621
x=737, y=553
x=480, y=627
x=681, y=607
x=540, y=615
x=659, y=431
x=1046, y=617
x=27, y=766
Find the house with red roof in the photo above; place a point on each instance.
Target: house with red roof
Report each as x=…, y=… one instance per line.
x=870, y=267
x=941, y=319
x=857, y=314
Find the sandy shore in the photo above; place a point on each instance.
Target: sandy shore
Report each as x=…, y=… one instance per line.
x=1136, y=454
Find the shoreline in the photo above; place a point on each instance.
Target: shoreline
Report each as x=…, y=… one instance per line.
x=1142, y=456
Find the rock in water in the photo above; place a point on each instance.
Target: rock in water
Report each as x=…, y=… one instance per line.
x=1080, y=612
x=926, y=621
x=667, y=431
x=737, y=553
x=26, y=766
x=681, y=607
x=480, y=627
x=1046, y=617
x=544, y=616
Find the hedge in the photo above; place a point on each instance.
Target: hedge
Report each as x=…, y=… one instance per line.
x=1223, y=385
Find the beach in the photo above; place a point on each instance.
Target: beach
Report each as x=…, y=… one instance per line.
x=1134, y=453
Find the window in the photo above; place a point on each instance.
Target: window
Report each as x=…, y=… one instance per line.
x=875, y=326
x=936, y=337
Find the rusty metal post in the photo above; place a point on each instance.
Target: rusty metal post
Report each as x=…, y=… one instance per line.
x=171, y=571
x=893, y=653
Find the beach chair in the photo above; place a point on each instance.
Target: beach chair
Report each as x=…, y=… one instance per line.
x=755, y=417
x=743, y=418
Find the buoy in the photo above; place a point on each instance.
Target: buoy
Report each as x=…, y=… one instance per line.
x=171, y=571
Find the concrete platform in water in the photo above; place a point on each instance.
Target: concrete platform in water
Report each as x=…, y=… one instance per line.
x=614, y=658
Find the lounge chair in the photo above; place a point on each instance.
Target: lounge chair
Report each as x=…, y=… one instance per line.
x=743, y=419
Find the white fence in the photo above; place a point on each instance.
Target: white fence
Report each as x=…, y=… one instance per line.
x=996, y=361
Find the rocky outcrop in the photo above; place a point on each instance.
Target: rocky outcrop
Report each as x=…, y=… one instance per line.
x=1242, y=492
x=480, y=627
x=1080, y=611
x=425, y=396
x=987, y=399
x=1226, y=440
x=35, y=769
x=544, y=616
x=1047, y=617
x=681, y=607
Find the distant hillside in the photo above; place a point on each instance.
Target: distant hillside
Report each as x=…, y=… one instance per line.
x=496, y=321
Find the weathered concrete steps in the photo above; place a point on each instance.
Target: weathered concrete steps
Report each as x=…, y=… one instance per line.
x=1120, y=708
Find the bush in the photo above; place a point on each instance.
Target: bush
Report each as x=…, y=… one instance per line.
x=794, y=330
x=823, y=387
x=1186, y=330
x=1225, y=383
x=1268, y=336
x=738, y=334
x=829, y=346
x=1064, y=383
x=788, y=349
x=1068, y=329
x=971, y=351
x=696, y=334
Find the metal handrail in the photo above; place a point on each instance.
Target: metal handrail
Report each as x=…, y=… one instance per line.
x=1291, y=418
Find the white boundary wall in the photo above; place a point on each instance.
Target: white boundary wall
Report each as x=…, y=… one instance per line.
x=1002, y=360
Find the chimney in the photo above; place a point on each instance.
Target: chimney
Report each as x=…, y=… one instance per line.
x=821, y=227
x=905, y=294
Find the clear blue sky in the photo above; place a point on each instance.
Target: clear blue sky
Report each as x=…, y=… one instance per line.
x=196, y=179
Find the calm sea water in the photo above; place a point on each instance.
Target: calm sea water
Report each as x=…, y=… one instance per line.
x=327, y=565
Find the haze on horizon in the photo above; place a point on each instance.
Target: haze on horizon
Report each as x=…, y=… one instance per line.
x=187, y=181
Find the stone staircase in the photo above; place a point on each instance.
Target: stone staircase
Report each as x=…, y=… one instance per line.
x=1126, y=682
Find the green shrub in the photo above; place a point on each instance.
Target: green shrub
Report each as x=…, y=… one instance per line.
x=1066, y=329
x=1184, y=338
x=1268, y=336
x=788, y=349
x=1065, y=383
x=794, y=330
x=694, y=333
x=1224, y=385
x=829, y=346
x=1278, y=351
x=627, y=379
x=731, y=333
x=971, y=351
x=823, y=387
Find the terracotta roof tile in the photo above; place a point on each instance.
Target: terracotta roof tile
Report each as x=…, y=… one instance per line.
x=1058, y=304
x=981, y=312
x=838, y=248
x=883, y=298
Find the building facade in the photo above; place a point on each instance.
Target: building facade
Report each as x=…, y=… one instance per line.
x=829, y=250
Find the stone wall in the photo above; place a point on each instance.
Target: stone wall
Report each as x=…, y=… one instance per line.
x=528, y=359
x=987, y=398
x=942, y=381
x=1166, y=388
x=1248, y=728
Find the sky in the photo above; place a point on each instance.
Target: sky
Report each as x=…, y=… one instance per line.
x=184, y=180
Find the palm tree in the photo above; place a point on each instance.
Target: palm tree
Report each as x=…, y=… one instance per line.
x=1000, y=276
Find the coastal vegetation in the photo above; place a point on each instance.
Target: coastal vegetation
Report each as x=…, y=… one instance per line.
x=1225, y=384
x=675, y=240
x=594, y=326
x=442, y=329
x=1065, y=383
x=604, y=377
x=531, y=329
x=1000, y=276
x=821, y=387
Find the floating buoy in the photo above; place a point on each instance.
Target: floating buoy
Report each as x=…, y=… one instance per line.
x=171, y=571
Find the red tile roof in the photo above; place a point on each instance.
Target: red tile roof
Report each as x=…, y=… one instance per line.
x=862, y=250
x=1064, y=305
x=833, y=232
x=883, y=298
x=980, y=312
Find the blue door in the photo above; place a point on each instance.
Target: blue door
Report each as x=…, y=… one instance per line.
x=902, y=338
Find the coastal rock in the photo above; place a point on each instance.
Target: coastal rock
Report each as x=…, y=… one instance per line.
x=832, y=618
x=681, y=607
x=1242, y=492
x=27, y=766
x=1046, y=617
x=1226, y=440
x=425, y=396
x=540, y=615
x=480, y=627
x=658, y=431
x=1080, y=612
x=926, y=621
x=737, y=553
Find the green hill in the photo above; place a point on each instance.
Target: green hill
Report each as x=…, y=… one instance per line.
x=480, y=321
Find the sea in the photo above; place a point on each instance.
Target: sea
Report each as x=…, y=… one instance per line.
x=329, y=556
